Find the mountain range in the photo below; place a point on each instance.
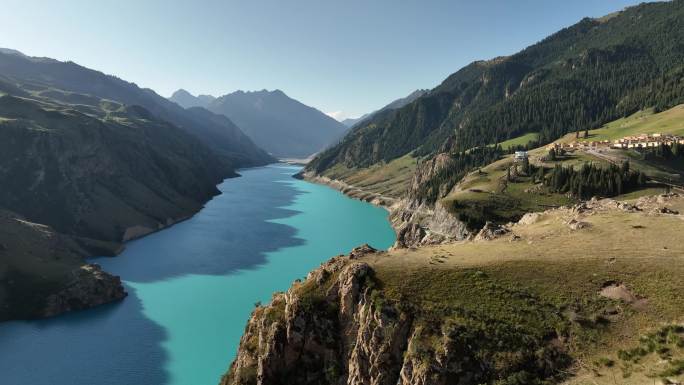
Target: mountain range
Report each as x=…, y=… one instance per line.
x=90, y=161
x=578, y=78
x=277, y=123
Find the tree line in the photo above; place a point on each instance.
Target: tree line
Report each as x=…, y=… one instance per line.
x=594, y=180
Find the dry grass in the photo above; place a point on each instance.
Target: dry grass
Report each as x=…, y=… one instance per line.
x=389, y=179
x=561, y=271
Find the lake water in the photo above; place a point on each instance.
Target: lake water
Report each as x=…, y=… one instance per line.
x=193, y=286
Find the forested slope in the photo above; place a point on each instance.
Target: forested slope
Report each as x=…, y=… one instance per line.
x=578, y=78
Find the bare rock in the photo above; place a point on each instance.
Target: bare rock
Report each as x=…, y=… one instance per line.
x=666, y=210
x=491, y=231
x=362, y=250
x=409, y=235
x=575, y=224
x=90, y=287
x=530, y=218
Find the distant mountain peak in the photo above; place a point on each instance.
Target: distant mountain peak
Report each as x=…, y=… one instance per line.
x=181, y=92
x=187, y=100
x=283, y=126
x=9, y=51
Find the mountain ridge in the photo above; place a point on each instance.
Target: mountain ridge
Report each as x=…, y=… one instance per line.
x=577, y=78
x=281, y=125
x=71, y=77
x=393, y=105
x=83, y=172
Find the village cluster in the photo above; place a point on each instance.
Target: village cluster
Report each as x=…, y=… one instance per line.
x=627, y=142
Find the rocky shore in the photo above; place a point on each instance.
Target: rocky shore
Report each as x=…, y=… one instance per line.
x=511, y=305
x=44, y=272
x=416, y=222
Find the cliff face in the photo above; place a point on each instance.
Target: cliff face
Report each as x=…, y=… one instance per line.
x=338, y=334
x=514, y=306
x=420, y=223
x=337, y=328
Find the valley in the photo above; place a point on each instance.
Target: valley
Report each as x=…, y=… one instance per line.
x=519, y=223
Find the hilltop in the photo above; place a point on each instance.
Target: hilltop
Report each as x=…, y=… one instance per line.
x=582, y=294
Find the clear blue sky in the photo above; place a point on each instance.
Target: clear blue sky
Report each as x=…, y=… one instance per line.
x=347, y=56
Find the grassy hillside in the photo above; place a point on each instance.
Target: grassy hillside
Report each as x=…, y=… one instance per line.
x=68, y=83
x=549, y=302
x=581, y=77
x=521, y=140
x=670, y=121
x=391, y=179
x=95, y=172
x=549, y=281
x=487, y=195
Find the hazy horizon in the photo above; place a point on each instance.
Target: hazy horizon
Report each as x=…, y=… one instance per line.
x=354, y=59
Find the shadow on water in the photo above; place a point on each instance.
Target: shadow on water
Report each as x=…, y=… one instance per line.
x=233, y=232
x=65, y=350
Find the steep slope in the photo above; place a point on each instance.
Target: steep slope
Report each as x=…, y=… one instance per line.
x=81, y=174
x=42, y=273
x=401, y=102
x=350, y=122
x=98, y=178
x=546, y=302
x=279, y=124
x=581, y=77
x=43, y=73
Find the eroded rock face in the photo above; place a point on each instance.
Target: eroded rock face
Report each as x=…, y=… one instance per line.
x=420, y=225
x=346, y=337
x=337, y=328
x=491, y=231
x=91, y=286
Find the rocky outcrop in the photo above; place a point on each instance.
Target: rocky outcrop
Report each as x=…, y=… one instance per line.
x=337, y=327
x=330, y=329
x=420, y=225
x=420, y=222
x=491, y=231
x=89, y=287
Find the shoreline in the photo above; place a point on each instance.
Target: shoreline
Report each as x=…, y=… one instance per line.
x=174, y=221
x=350, y=191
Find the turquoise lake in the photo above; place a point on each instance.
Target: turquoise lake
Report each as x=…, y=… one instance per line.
x=193, y=286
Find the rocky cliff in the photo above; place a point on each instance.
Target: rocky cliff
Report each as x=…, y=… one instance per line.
x=337, y=327
x=514, y=305
x=419, y=222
